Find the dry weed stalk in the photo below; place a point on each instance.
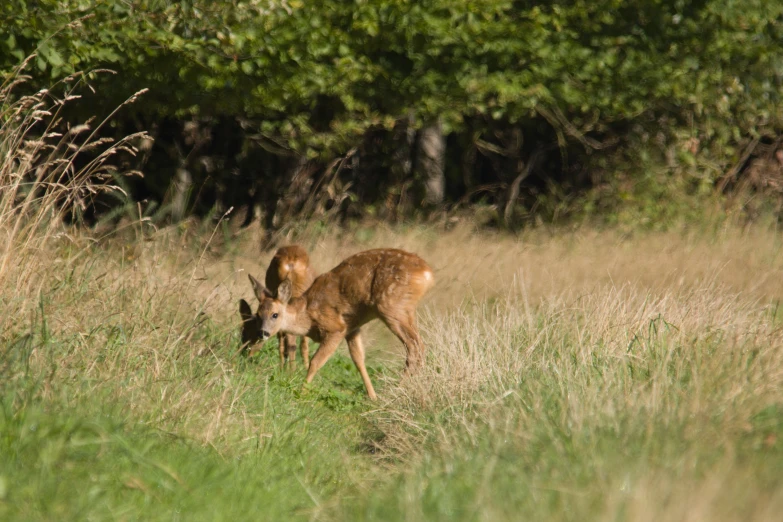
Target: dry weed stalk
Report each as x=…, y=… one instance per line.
x=41, y=175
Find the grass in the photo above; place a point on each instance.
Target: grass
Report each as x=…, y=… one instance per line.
x=582, y=376
x=570, y=375
x=94, y=458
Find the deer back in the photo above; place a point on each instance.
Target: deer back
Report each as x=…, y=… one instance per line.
x=365, y=284
x=290, y=262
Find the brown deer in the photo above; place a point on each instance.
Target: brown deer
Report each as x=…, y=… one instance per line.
x=385, y=283
x=289, y=263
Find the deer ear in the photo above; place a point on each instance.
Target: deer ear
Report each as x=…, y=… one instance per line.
x=245, y=311
x=249, y=330
x=284, y=291
x=259, y=289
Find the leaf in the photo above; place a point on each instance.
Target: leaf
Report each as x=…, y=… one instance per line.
x=54, y=58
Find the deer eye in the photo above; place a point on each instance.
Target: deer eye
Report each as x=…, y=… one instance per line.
x=274, y=316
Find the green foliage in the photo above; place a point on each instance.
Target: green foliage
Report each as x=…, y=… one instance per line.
x=319, y=74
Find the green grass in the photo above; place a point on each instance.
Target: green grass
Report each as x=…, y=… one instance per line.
x=88, y=452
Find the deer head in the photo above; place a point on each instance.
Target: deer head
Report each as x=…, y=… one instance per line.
x=271, y=312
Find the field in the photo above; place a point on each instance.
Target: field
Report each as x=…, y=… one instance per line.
x=599, y=192
x=570, y=375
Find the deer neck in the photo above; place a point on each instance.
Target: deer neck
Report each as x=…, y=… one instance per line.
x=297, y=321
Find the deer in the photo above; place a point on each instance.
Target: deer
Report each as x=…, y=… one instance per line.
x=290, y=263
x=385, y=284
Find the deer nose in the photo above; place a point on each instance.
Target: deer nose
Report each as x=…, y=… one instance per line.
x=264, y=334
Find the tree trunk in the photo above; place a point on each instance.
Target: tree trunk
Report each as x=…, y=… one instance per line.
x=430, y=165
x=297, y=183
x=182, y=186
x=468, y=167
x=404, y=140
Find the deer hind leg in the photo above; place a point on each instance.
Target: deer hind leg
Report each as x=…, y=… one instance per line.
x=403, y=325
x=356, y=348
x=326, y=350
x=413, y=328
x=304, y=347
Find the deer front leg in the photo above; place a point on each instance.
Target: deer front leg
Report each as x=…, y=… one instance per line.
x=326, y=350
x=290, y=350
x=281, y=347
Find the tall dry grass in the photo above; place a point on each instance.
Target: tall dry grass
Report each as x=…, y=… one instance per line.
x=47, y=170
x=668, y=348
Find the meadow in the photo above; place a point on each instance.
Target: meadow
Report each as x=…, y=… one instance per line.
x=570, y=375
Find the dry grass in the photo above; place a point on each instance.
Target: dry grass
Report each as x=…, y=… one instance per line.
x=670, y=343
x=472, y=265
x=595, y=293
x=47, y=170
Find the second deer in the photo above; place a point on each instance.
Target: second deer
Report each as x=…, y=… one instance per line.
x=289, y=263
x=386, y=284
